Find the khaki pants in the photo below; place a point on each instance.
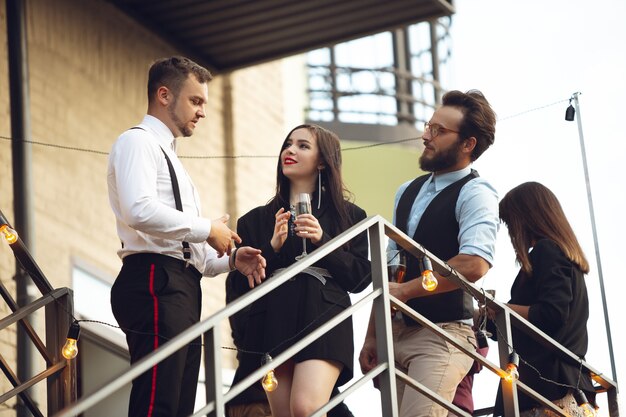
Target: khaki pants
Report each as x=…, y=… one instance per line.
x=433, y=362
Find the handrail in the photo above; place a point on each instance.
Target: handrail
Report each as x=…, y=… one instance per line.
x=380, y=298
x=25, y=259
x=57, y=369
x=503, y=314
x=442, y=268
x=206, y=325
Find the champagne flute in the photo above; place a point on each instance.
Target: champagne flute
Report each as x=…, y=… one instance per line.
x=396, y=265
x=303, y=206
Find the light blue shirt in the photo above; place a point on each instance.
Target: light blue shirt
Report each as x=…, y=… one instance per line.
x=476, y=211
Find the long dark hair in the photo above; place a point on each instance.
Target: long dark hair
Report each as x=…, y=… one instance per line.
x=532, y=212
x=334, y=190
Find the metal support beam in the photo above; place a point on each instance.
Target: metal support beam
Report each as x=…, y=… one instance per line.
x=595, y=234
x=21, y=157
x=62, y=386
x=434, y=53
x=404, y=88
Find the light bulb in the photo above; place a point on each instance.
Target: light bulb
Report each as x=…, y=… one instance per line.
x=270, y=383
x=429, y=282
x=512, y=374
x=70, y=349
x=9, y=234
x=588, y=410
x=581, y=400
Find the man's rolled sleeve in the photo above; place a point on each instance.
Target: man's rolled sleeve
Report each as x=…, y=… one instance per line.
x=477, y=214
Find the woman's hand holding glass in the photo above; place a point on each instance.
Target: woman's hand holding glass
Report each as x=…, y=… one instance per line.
x=308, y=227
x=281, y=229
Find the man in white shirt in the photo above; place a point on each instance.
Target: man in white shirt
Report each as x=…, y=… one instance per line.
x=166, y=246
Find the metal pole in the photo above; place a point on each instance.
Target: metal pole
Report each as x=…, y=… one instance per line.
x=434, y=53
x=402, y=63
x=595, y=234
x=22, y=175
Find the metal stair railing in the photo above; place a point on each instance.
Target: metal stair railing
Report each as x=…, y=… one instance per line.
x=505, y=320
x=60, y=374
x=377, y=227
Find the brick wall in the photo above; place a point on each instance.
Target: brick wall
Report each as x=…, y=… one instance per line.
x=88, y=71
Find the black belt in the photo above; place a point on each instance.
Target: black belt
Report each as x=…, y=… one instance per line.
x=138, y=259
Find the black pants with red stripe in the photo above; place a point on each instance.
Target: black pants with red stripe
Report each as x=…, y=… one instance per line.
x=154, y=298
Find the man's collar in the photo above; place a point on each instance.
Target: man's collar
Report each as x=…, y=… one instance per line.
x=163, y=133
x=441, y=181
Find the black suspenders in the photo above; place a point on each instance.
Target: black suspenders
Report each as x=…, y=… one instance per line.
x=176, y=190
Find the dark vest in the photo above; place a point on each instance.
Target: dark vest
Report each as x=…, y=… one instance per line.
x=438, y=232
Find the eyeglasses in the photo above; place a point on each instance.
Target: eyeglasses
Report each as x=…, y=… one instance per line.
x=435, y=129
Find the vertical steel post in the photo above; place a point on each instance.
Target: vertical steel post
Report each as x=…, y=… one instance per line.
x=382, y=317
x=595, y=234
x=213, y=371
x=22, y=175
x=505, y=344
x=402, y=64
x=434, y=54
x=62, y=388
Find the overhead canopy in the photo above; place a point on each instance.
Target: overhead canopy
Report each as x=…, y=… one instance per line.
x=230, y=34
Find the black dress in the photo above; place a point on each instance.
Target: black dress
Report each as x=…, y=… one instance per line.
x=559, y=306
x=299, y=306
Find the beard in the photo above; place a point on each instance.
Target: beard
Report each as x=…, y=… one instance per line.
x=442, y=160
x=182, y=127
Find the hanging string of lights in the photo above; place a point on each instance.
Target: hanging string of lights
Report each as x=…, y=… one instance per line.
x=348, y=149
x=429, y=282
x=269, y=382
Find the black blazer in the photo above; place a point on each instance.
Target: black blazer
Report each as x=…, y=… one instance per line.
x=559, y=306
x=350, y=270
x=349, y=267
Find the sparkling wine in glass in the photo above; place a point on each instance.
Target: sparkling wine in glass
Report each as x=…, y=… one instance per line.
x=396, y=265
x=303, y=206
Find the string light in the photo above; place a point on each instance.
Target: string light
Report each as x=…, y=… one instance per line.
x=269, y=382
x=9, y=234
x=70, y=349
x=581, y=400
x=512, y=374
x=429, y=282
x=481, y=338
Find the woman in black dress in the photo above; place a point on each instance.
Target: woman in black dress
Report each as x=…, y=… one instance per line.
x=309, y=162
x=550, y=292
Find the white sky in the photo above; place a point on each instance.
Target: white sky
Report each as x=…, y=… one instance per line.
x=525, y=55
x=529, y=54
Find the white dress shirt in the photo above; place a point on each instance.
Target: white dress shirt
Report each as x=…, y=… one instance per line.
x=142, y=198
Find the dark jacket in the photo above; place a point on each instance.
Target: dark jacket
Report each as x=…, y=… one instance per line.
x=297, y=307
x=557, y=296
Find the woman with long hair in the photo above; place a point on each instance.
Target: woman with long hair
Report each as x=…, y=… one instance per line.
x=309, y=163
x=550, y=292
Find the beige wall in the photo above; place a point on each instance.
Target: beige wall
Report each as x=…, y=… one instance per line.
x=88, y=71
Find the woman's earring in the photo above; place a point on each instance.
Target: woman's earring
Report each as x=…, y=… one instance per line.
x=319, y=188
